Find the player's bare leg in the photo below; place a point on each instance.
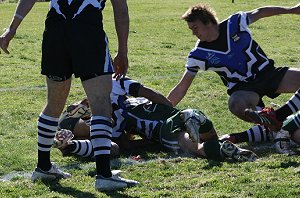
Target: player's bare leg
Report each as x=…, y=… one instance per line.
x=241, y=100
x=98, y=93
x=47, y=126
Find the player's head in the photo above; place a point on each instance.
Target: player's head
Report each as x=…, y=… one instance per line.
x=201, y=12
x=202, y=21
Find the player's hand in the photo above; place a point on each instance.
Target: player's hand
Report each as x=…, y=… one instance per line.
x=120, y=65
x=5, y=38
x=296, y=9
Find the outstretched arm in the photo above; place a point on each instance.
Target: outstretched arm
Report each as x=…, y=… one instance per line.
x=23, y=7
x=121, y=17
x=179, y=91
x=268, y=11
x=153, y=96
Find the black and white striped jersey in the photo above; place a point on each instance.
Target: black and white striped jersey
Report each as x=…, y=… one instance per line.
x=121, y=89
x=234, y=56
x=137, y=115
x=72, y=8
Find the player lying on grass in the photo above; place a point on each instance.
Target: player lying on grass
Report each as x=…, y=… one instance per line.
x=290, y=131
x=188, y=129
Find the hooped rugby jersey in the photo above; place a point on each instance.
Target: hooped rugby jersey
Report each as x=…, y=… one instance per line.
x=137, y=115
x=147, y=119
x=120, y=90
x=234, y=56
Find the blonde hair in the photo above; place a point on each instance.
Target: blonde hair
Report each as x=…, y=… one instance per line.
x=201, y=12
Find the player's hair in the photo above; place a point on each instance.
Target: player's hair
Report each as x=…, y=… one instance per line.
x=201, y=12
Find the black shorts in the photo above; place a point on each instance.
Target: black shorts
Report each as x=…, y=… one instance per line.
x=75, y=46
x=266, y=84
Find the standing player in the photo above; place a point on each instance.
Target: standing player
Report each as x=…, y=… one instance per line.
x=74, y=42
x=229, y=49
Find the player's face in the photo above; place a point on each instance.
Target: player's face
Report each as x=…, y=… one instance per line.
x=199, y=30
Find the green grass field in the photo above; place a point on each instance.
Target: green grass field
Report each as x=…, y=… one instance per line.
x=159, y=43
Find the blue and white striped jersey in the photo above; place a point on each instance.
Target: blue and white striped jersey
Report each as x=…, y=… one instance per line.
x=234, y=56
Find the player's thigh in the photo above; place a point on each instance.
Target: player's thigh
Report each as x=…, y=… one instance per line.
x=290, y=82
x=98, y=91
x=241, y=99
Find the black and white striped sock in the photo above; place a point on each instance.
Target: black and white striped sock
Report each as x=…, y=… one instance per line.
x=47, y=127
x=292, y=106
x=83, y=148
x=101, y=133
x=259, y=133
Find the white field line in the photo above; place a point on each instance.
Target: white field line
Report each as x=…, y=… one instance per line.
x=38, y=88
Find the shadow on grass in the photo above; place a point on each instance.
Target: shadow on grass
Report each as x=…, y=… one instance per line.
x=157, y=152
x=212, y=163
x=266, y=149
x=56, y=187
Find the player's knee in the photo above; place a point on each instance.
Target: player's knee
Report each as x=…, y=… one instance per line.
x=206, y=126
x=236, y=107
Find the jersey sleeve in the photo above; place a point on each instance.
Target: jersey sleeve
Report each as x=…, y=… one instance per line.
x=194, y=63
x=126, y=86
x=243, y=21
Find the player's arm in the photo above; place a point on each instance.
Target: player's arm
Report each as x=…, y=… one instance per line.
x=23, y=7
x=121, y=17
x=268, y=11
x=153, y=96
x=179, y=91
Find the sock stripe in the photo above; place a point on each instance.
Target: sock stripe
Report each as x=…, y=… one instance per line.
x=101, y=122
x=294, y=102
x=46, y=135
x=297, y=95
x=102, y=136
x=104, y=130
x=86, y=148
x=99, y=148
x=257, y=134
x=78, y=147
x=251, y=135
x=47, y=127
x=262, y=134
x=44, y=129
x=297, y=121
x=292, y=106
x=44, y=146
x=101, y=133
x=47, y=122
